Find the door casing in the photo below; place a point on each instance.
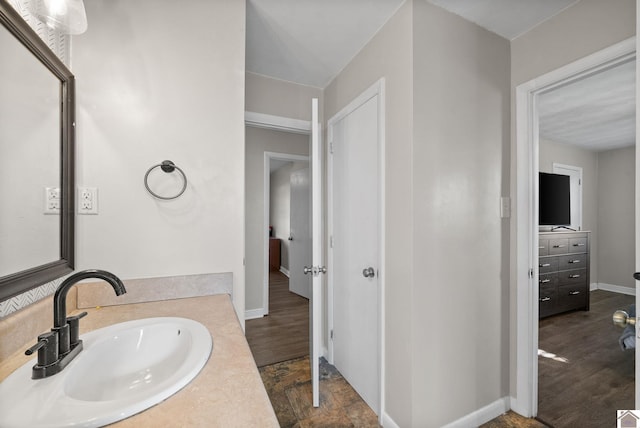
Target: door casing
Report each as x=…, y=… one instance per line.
x=524, y=239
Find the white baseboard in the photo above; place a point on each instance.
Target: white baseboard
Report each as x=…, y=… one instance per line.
x=483, y=415
x=254, y=313
x=387, y=422
x=613, y=288
x=285, y=271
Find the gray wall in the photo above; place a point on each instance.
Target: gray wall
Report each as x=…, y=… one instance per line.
x=280, y=209
x=259, y=141
x=447, y=89
x=389, y=55
x=460, y=243
x=616, y=217
x=552, y=152
x=279, y=98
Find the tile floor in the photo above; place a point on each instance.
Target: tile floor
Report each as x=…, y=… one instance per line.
x=288, y=385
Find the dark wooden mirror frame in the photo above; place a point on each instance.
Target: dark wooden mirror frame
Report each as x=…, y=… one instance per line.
x=19, y=282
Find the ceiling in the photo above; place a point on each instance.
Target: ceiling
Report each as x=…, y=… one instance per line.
x=596, y=113
x=310, y=41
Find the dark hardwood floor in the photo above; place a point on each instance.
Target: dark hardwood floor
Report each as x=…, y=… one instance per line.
x=597, y=377
x=284, y=333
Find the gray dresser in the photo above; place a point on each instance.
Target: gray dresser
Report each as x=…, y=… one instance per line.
x=563, y=272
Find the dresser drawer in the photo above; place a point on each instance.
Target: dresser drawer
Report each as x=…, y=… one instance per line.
x=543, y=247
x=571, y=296
x=572, y=261
x=548, y=264
x=547, y=302
x=546, y=280
x=578, y=276
x=578, y=245
x=558, y=246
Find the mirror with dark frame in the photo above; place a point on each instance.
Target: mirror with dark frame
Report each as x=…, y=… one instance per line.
x=37, y=120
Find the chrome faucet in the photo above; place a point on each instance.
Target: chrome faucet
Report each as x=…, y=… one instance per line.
x=62, y=344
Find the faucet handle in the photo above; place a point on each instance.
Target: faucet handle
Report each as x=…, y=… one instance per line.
x=47, y=348
x=74, y=327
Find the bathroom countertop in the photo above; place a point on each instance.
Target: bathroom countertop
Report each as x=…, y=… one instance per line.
x=228, y=392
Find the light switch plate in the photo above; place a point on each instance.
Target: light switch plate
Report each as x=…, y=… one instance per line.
x=505, y=207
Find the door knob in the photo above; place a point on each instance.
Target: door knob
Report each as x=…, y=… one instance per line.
x=368, y=272
x=636, y=276
x=622, y=319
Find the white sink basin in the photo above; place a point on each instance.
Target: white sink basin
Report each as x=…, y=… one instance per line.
x=123, y=369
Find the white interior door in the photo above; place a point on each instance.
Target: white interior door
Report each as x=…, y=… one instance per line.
x=300, y=233
x=317, y=269
x=575, y=193
x=355, y=247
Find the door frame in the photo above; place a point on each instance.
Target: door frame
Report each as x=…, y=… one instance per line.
x=378, y=89
x=577, y=169
x=268, y=157
x=283, y=124
x=524, y=399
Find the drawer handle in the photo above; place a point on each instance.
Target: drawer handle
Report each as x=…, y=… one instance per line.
x=545, y=264
x=579, y=245
x=573, y=293
x=574, y=276
x=558, y=246
x=545, y=299
x=544, y=281
x=574, y=261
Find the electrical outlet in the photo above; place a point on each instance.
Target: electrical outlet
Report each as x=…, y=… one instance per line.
x=52, y=200
x=87, y=200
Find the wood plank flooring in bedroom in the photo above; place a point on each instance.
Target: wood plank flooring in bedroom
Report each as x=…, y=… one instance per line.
x=598, y=378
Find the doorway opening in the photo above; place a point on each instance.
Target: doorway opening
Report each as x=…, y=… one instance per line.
x=530, y=161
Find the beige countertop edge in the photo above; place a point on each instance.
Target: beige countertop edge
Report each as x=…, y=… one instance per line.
x=228, y=392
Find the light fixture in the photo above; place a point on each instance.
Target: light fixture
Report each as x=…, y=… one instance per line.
x=66, y=16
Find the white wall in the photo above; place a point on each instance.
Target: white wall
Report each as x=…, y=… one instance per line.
x=157, y=82
x=259, y=141
x=616, y=217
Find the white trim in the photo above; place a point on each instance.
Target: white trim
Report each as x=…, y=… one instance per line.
x=620, y=289
x=387, y=422
x=254, y=313
x=524, y=224
x=378, y=89
x=482, y=415
x=268, y=156
x=284, y=271
x=278, y=123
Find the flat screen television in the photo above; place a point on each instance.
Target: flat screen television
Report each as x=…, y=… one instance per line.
x=554, y=200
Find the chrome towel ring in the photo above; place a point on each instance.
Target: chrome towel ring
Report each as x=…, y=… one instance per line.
x=168, y=167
